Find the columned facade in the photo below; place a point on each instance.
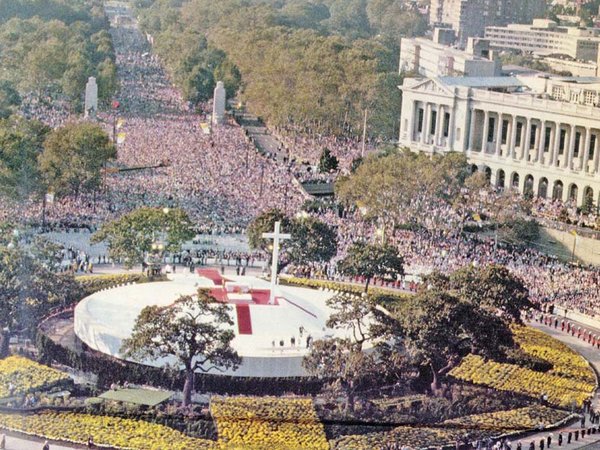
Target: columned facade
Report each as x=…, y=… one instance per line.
x=542, y=147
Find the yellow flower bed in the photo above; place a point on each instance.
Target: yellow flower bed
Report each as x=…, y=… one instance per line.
x=268, y=422
x=106, y=431
x=26, y=375
x=570, y=381
x=421, y=437
x=566, y=362
x=513, y=420
x=94, y=283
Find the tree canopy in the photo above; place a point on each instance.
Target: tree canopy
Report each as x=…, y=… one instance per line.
x=398, y=187
x=54, y=46
x=21, y=143
x=28, y=290
x=196, y=330
x=74, y=156
x=131, y=236
x=313, y=64
x=372, y=260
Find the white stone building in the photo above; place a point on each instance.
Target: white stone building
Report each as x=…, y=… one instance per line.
x=535, y=134
x=545, y=37
x=431, y=58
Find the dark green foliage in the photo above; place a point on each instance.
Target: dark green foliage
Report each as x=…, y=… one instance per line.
x=327, y=162
x=372, y=260
x=318, y=64
x=54, y=46
x=21, y=143
x=131, y=236
x=74, y=156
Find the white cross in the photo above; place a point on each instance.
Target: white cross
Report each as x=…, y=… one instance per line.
x=276, y=236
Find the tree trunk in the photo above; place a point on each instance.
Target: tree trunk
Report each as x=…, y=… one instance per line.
x=367, y=285
x=435, y=383
x=188, y=387
x=4, y=342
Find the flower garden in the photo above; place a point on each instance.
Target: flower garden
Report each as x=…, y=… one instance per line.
x=476, y=426
x=268, y=422
x=27, y=376
x=107, y=431
x=516, y=419
x=570, y=382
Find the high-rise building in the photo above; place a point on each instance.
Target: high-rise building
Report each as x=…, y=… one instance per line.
x=469, y=18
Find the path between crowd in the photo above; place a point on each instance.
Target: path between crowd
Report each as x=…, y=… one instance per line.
x=20, y=443
x=593, y=357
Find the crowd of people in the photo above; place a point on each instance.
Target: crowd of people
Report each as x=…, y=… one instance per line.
x=219, y=179
x=222, y=181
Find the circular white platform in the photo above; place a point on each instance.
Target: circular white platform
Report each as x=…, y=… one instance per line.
x=105, y=318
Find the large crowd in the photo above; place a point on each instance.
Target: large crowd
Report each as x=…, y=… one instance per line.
x=222, y=181
x=219, y=179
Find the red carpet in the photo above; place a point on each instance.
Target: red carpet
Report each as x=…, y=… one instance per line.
x=259, y=297
x=213, y=275
x=243, y=318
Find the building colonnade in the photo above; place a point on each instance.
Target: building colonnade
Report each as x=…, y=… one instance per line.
x=540, y=155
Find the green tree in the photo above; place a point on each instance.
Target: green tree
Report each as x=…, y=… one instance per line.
x=131, y=236
x=264, y=223
x=492, y=287
x=343, y=365
x=372, y=260
x=21, y=143
x=438, y=329
x=327, y=162
x=9, y=99
x=74, y=156
x=28, y=290
x=350, y=312
x=196, y=330
x=311, y=241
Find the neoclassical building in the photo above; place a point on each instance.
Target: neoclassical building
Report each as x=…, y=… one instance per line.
x=537, y=134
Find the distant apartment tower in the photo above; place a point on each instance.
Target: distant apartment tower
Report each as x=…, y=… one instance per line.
x=545, y=37
x=469, y=18
x=432, y=58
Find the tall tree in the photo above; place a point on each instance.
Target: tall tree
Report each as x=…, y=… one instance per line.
x=74, y=156
x=372, y=260
x=439, y=328
x=196, y=330
x=28, y=290
x=311, y=241
x=131, y=236
x=343, y=364
x=492, y=287
x=21, y=143
x=264, y=223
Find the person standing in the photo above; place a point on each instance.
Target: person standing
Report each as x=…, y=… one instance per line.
x=46, y=446
x=560, y=439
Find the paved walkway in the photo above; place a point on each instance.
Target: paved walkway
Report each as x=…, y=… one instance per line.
x=593, y=356
x=19, y=443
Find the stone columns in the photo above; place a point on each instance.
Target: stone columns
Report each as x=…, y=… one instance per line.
x=486, y=125
x=586, y=150
x=426, y=124
x=512, y=143
x=411, y=123
x=438, y=125
x=556, y=144
x=571, y=148
x=542, y=143
x=526, y=141
x=499, y=126
x=472, y=130
x=596, y=154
